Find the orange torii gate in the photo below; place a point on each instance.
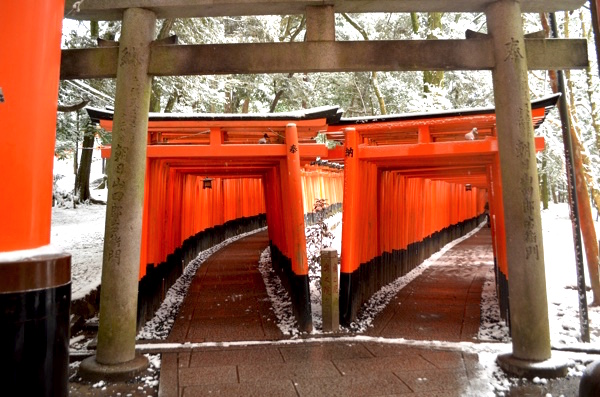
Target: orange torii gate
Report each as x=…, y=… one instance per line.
x=249, y=183
x=413, y=183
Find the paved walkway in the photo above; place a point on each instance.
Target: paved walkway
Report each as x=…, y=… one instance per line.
x=443, y=303
x=227, y=302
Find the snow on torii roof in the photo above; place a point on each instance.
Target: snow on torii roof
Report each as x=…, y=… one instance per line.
x=242, y=128
x=331, y=113
x=386, y=129
x=442, y=126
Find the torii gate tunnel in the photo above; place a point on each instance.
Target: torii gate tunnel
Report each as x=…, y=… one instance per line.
x=274, y=181
x=412, y=184
x=374, y=161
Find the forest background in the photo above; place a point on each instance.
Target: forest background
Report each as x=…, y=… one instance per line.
x=358, y=94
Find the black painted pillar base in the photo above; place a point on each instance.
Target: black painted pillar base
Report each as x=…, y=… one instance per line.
x=35, y=295
x=349, y=301
x=502, y=292
x=296, y=285
x=300, y=295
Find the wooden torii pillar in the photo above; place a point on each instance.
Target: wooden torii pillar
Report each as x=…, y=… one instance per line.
x=295, y=219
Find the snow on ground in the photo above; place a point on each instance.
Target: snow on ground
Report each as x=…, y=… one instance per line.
x=281, y=302
x=80, y=231
x=561, y=279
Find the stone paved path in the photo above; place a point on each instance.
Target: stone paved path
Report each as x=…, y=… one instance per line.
x=227, y=302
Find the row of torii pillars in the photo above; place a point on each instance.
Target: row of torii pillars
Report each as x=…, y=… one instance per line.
x=29, y=84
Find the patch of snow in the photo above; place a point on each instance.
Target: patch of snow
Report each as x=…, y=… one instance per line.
x=492, y=327
x=80, y=231
x=281, y=303
x=20, y=255
x=561, y=281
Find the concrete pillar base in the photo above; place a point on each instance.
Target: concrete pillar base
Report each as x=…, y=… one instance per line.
x=589, y=385
x=93, y=371
x=551, y=368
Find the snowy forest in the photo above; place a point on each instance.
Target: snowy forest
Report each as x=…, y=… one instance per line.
x=358, y=94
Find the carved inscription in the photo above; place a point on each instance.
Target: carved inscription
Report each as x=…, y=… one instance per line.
x=523, y=152
x=513, y=50
x=129, y=56
x=117, y=193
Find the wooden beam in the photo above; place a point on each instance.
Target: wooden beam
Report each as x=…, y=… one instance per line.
x=239, y=152
x=113, y=9
x=323, y=56
x=89, y=63
x=446, y=149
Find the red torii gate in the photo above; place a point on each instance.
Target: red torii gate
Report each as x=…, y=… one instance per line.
x=247, y=179
x=416, y=168
x=406, y=194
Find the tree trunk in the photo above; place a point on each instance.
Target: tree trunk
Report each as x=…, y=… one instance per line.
x=433, y=78
x=273, y=106
x=172, y=101
x=94, y=29
x=380, y=100
x=76, y=155
x=155, y=95
x=588, y=230
x=414, y=21
x=554, y=196
x=155, y=98
x=374, y=84
x=587, y=32
x=228, y=102
x=82, y=188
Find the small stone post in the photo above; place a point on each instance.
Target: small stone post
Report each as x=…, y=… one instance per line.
x=116, y=356
x=330, y=290
x=521, y=198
